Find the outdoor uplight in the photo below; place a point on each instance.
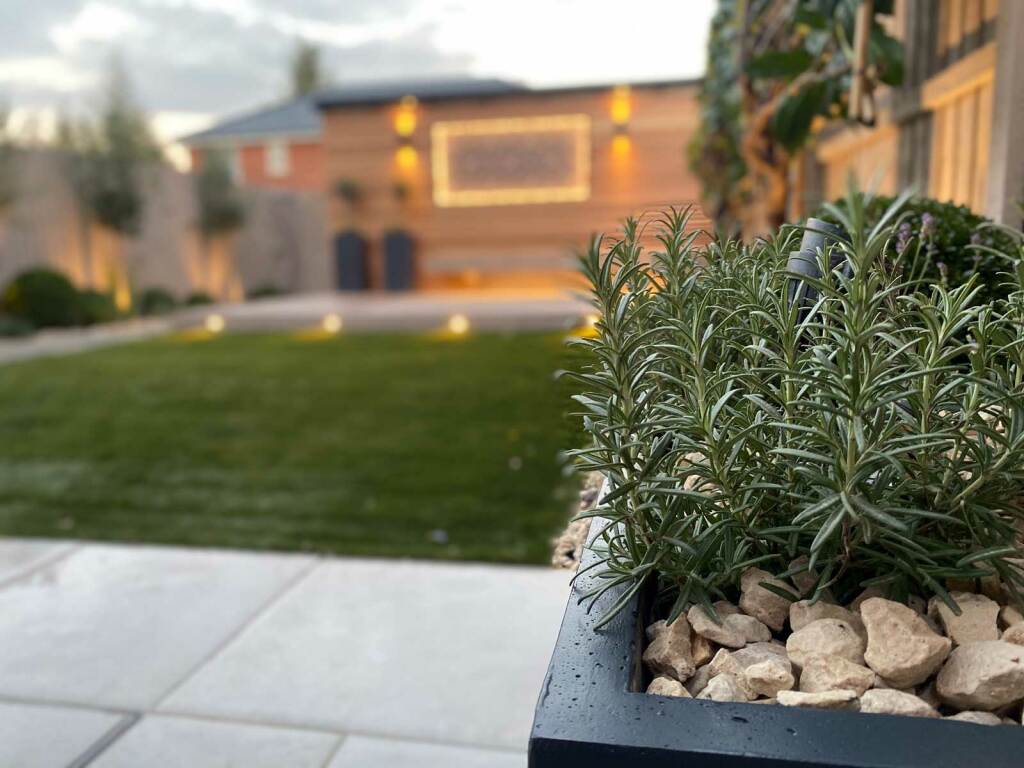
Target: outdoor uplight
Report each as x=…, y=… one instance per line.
x=332, y=323
x=591, y=320
x=458, y=324
x=214, y=323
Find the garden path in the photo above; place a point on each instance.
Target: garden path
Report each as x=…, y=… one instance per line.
x=121, y=656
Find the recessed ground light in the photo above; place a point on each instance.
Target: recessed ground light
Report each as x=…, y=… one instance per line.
x=214, y=323
x=591, y=320
x=332, y=323
x=458, y=324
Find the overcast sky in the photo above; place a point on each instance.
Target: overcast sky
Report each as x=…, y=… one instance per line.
x=192, y=61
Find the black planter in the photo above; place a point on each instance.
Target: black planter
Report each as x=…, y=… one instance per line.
x=592, y=713
x=350, y=261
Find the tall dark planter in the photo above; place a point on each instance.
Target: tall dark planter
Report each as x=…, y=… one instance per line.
x=592, y=713
x=399, y=261
x=351, y=261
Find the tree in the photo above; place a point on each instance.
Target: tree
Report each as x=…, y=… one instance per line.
x=221, y=210
x=105, y=158
x=774, y=68
x=8, y=181
x=305, y=69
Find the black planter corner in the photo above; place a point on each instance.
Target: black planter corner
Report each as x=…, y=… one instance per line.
x=592, y=713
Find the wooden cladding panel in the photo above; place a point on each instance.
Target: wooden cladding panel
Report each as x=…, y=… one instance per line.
x=960, y=148
x=639, y=170
x=961, y=25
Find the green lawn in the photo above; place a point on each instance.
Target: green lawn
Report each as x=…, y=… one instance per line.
x=364, y=444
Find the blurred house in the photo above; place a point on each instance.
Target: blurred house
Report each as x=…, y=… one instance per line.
x=278, y=146
x=954, y=129
x=477, y=183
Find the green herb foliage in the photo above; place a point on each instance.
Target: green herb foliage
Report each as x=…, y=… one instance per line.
x=880, y=434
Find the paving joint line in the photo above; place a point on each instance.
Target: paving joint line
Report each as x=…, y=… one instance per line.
x=62, y=553
x=260, y=611
x=104, y=742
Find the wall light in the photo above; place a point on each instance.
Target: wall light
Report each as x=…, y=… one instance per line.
x=332, y=323
x=621, y=107
x=622, y=146
x=214, y=323
x=406, y=117
x=406, y=158
x=458, y=324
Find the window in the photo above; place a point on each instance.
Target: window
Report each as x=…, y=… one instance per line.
x=275, y=159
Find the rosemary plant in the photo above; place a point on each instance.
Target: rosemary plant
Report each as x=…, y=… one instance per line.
x=878, y=433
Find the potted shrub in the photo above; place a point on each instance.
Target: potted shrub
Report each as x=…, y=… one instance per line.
x=813, y=504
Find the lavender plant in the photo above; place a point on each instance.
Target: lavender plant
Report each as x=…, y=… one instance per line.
x=879, y=432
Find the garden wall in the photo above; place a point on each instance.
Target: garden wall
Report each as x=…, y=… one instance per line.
x=281, y=244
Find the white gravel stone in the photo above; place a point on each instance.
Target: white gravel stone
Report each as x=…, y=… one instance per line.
x=655, y=629
x=901, y=647
x=983, y=676
x=767, y=678
x=734, y=630
x=824, y=700
x=701, y=649
x=669, y=652
x=978, y=718
x=886, y=701
x=976, y=622
x=825, y=636
x=761, y=603
x=834, y=673
x=666, y=686
x=724, y=687
x=1009, y=615
x=1014, y=634
x=699, y=681
x=803, y=612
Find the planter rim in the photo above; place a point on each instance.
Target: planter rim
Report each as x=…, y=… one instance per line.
x=588, y=713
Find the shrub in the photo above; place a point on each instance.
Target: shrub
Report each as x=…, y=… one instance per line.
x=265, y=292
x=43, y=298
x=156, y=301
x=13, y=327
x=878, y=431
x=95, y=307
x=946, y=234
x=197, y=299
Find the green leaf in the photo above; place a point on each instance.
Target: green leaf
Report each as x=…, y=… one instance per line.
x=780, y=64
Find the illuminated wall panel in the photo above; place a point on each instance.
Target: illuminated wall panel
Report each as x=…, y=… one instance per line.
x=508, y=161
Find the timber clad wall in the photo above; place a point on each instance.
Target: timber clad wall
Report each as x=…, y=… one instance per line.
x=944, y=131
x=639, y=169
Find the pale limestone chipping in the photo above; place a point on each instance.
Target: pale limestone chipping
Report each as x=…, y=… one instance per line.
x=761, y=603
x=983, y=676
x=823, y=672
x=886, y=701
x=845, y=700
x=667, y=686
x=976, y=622
x=901, y=647
x=825, y=636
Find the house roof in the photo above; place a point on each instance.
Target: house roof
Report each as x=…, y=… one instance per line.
x=290, y=118
x=425, y=90
x=301, y=117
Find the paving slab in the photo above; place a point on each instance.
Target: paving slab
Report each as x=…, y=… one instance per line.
x=43, y=736
x=170, y=742
x=119, y=627
x=362, y=752
x=19, y=556
x=438, y=652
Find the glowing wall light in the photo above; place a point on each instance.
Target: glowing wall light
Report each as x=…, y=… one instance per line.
x=406, y=158
x=405, y=117
x=622, y=146
x=214, y=323
x=621, y=107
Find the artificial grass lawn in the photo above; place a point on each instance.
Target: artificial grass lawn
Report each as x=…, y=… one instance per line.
x=366, y=444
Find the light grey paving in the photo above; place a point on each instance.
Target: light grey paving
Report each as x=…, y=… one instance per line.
x=117, y=627
x=361, y=752
x=447, y=653
x=38, y=736
x=18, y=556
x=171, y=742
